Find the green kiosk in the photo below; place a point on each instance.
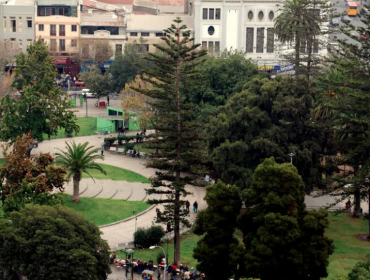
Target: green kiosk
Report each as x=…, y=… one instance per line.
x=114, y=121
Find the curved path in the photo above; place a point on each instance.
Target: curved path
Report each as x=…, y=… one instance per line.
x=120, y=233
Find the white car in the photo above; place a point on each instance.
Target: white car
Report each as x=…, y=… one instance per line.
x=88, y=93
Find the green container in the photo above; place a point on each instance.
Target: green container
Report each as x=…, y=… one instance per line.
x=73, y=101
x=81, y=100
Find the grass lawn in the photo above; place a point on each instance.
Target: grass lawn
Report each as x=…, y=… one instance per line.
x=116, y=173
x=102, y=211
x=188, y=243
x=348, y=248
x=87, y=127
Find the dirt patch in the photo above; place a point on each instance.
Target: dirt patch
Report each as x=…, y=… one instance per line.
x=363, y=237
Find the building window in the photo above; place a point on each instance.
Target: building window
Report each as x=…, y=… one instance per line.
x=250, y=15
x=315, y=46
x=160, y=34
x=64, y=11
x=204, y=45
x=260, y=15
x=250, y=36
x=41, y=27
x=211, y=13
x=13, y=42
x=205, y=13
x=144, y=34
x=50, y=11
x=62, y=45
x=20, y=44
x=119, y=49
x=53, y=30
x=42, y=40
x=211, y=30
x=4, y=24
x=29, y=42
x=29, y=22
x=20, y=24
x=53, y=45
x=218, y=13
x=73, y=43
x=13, y=24
x=133, y=34
x=260, y=39
x=74, y=28
x=270, y=40
x=62, y=30
x=217, y=47
x=271, y=15
x=210, y=47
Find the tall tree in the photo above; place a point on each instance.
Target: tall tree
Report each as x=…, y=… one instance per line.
x=43, y=108
x=43, y=242
x=78, y=159
x=282, y=239
x=268, y=118
x=180, y=136
x=217, y=225
x=345, y=95
x=300, y=22
x=98, y=83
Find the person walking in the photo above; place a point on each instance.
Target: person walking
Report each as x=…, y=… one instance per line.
x=102, y=150
x=195, y=207
x=187, y=204
x=108, y=100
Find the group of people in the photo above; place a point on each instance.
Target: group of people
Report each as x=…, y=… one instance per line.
x=140, y=137
x=195, y=206
x=134, y=153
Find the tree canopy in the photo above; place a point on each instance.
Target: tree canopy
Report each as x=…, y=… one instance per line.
x=282, y=239
x=268, y=118
x=43, y=108
x=98, y=83
x=43, y=242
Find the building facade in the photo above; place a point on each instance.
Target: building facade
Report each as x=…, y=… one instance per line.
x=57, y=23
x=147, y=30
x=102, y=22
x=16, y=25
x=246, y=25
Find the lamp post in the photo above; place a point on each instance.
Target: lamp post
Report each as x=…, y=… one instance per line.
x=291, y=157
x=130, y=261
x=134, y=212
x=165, y=258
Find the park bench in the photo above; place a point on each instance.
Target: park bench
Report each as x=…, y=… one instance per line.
x=113, y=149
x=121, y=150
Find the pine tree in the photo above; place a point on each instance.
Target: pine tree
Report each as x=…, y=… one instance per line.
x=179, y=135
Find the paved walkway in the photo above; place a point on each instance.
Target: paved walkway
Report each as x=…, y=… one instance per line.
x=121, y=233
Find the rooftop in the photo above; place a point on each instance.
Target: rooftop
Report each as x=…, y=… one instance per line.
x=18, y=2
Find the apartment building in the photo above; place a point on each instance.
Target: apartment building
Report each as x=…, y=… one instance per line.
x=16, y=25
x=147, y=30
x=57, y=23
x=102, y=22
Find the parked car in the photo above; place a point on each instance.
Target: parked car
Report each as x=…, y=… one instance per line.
x=346, y=19
x=79, y=83
x=334, y=22
x=87, y=93
x=364, y=12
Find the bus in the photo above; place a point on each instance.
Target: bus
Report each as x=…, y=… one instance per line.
x=352, y=9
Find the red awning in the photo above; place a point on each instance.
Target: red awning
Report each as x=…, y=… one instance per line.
x=60, y=60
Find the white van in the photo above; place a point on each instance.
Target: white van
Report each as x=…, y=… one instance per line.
x=88, y=93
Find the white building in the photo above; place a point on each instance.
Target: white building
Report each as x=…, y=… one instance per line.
x=246, y=25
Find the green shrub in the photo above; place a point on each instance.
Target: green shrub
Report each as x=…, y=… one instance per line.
x=109, y=141
x=148, y=237
x=129, y=146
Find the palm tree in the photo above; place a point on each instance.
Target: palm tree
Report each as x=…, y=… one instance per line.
x=297, y=23
x=78, y=159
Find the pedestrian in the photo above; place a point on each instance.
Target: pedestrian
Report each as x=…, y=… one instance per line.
x=102, y=150
x=159, y=273
x=195, y=207
x=348, y=205
x=108, y=99
x=187, y=204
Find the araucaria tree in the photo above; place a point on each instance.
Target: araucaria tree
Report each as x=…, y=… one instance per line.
x=283, y=241
x=42, y=108
x=179, y=135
